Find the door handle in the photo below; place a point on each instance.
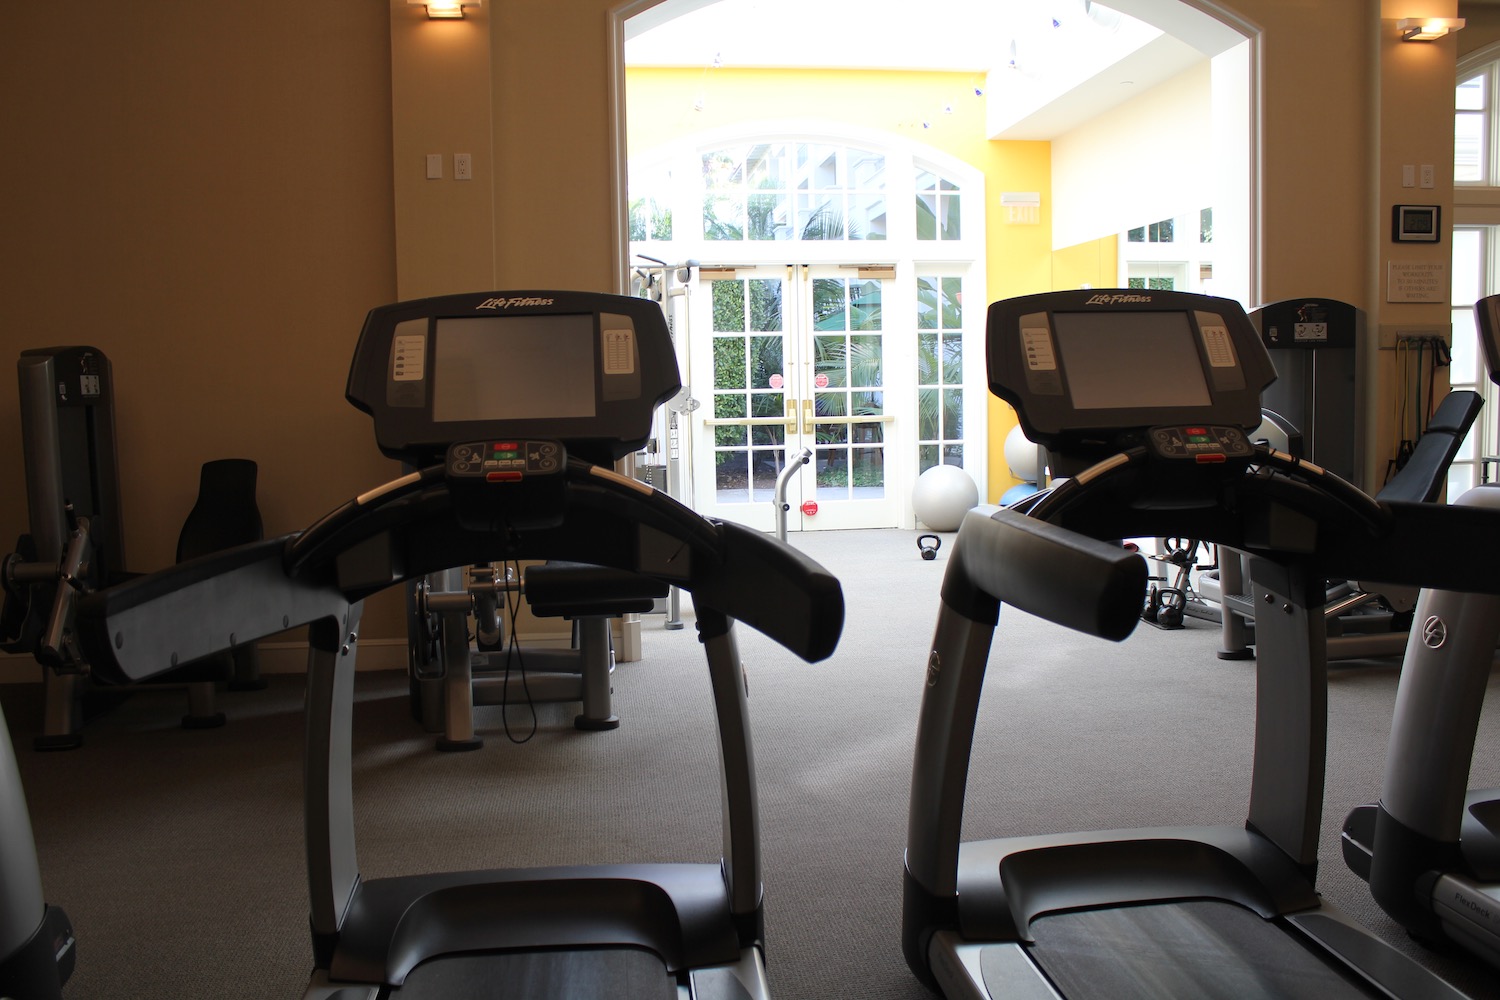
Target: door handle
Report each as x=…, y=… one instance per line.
x=791, y=416
x=807, y=416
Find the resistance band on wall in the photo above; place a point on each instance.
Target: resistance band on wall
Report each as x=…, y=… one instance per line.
x=1417, y=362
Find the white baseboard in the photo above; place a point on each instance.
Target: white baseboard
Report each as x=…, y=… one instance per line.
x=285, y=657
x=275, y=658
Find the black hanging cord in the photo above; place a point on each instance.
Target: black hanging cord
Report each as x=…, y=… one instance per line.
x=513, y=648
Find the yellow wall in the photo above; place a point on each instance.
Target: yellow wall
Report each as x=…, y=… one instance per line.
x=1087, y=265
x=207, y=192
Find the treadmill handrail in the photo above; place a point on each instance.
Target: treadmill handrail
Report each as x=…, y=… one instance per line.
x=1005, y=557
x=408, y=529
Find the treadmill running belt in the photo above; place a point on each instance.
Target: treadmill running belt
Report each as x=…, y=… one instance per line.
x=1200, y=949
x=588, y=974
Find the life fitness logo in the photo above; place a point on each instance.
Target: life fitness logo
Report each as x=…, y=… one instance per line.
x=1115, y=300
x=513, y=302
x=1434, y=632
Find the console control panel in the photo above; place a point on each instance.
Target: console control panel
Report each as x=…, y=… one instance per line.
x=505, y=461
x=1202, y=443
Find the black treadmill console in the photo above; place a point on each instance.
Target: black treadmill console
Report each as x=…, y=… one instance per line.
x=583, y=368
x=1487, y=319
x=1090, y=372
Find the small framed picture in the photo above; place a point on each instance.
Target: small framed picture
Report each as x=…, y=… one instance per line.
x=1415, y=224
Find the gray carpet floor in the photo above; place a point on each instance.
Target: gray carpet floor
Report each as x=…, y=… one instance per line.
x=179, y=854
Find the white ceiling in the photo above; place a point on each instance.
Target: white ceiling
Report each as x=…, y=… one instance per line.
x=1047, y=65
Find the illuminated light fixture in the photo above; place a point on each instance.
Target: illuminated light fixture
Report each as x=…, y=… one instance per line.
x=1427, y=29
x=445, y=9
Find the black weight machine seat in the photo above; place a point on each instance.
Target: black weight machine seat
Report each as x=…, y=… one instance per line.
x=1227, y=911
x=589, y=597
x=225, y=515
x=507, y=491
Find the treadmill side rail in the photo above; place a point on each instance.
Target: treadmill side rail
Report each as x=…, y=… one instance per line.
x=968, y=970
x=1374, y=961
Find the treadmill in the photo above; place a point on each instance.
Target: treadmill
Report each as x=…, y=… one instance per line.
x=507, y=385
x=1229, y=911
x=37, y=946
x=1430, y=848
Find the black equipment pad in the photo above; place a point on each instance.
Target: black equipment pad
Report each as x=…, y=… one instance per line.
x=624, y=973
x=1203, y=949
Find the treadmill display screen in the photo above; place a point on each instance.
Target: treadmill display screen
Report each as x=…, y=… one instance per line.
x=536, y=367
x=1130, y=360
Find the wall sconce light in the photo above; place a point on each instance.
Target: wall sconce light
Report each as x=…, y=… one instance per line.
x=1427, y=29
x=446, y=9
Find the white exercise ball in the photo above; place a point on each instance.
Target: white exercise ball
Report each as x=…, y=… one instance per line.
x=943, y=495
x=1021, y=456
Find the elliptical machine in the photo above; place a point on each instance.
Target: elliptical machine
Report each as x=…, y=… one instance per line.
x=1430, y=848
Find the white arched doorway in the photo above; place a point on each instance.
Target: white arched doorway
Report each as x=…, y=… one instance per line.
x=1075, y=204
x=824, y=309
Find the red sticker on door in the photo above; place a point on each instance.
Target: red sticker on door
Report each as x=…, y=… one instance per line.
x=776, y=381
x=809, y=507
x=821, y=381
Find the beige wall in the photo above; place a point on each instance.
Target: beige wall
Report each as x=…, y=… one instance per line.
x=203, y=191
x=215, y=193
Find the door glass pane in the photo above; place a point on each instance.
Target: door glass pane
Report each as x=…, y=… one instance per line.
x=731, y=476
x=765, y=361
x=831, y=404
x=830, y=361
x=866, y=360
x=868, y=470
x=729, y=306
x=830, y=304
x=765, y=466
x=864, y=305
x=953, y=359
x=729, y=362
x=728, y=406
x=953, y=414
x=748, y=366
x=940, y=374
x=833, y=473
x=927, y=414
x=927, y=304
x=953, y=303
x=765, y=305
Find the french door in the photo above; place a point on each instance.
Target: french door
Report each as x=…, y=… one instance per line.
x=798, y=359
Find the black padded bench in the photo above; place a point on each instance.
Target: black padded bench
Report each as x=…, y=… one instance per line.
x=588, y=596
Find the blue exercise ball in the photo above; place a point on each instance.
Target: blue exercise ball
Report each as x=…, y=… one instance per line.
x=1017, y=493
